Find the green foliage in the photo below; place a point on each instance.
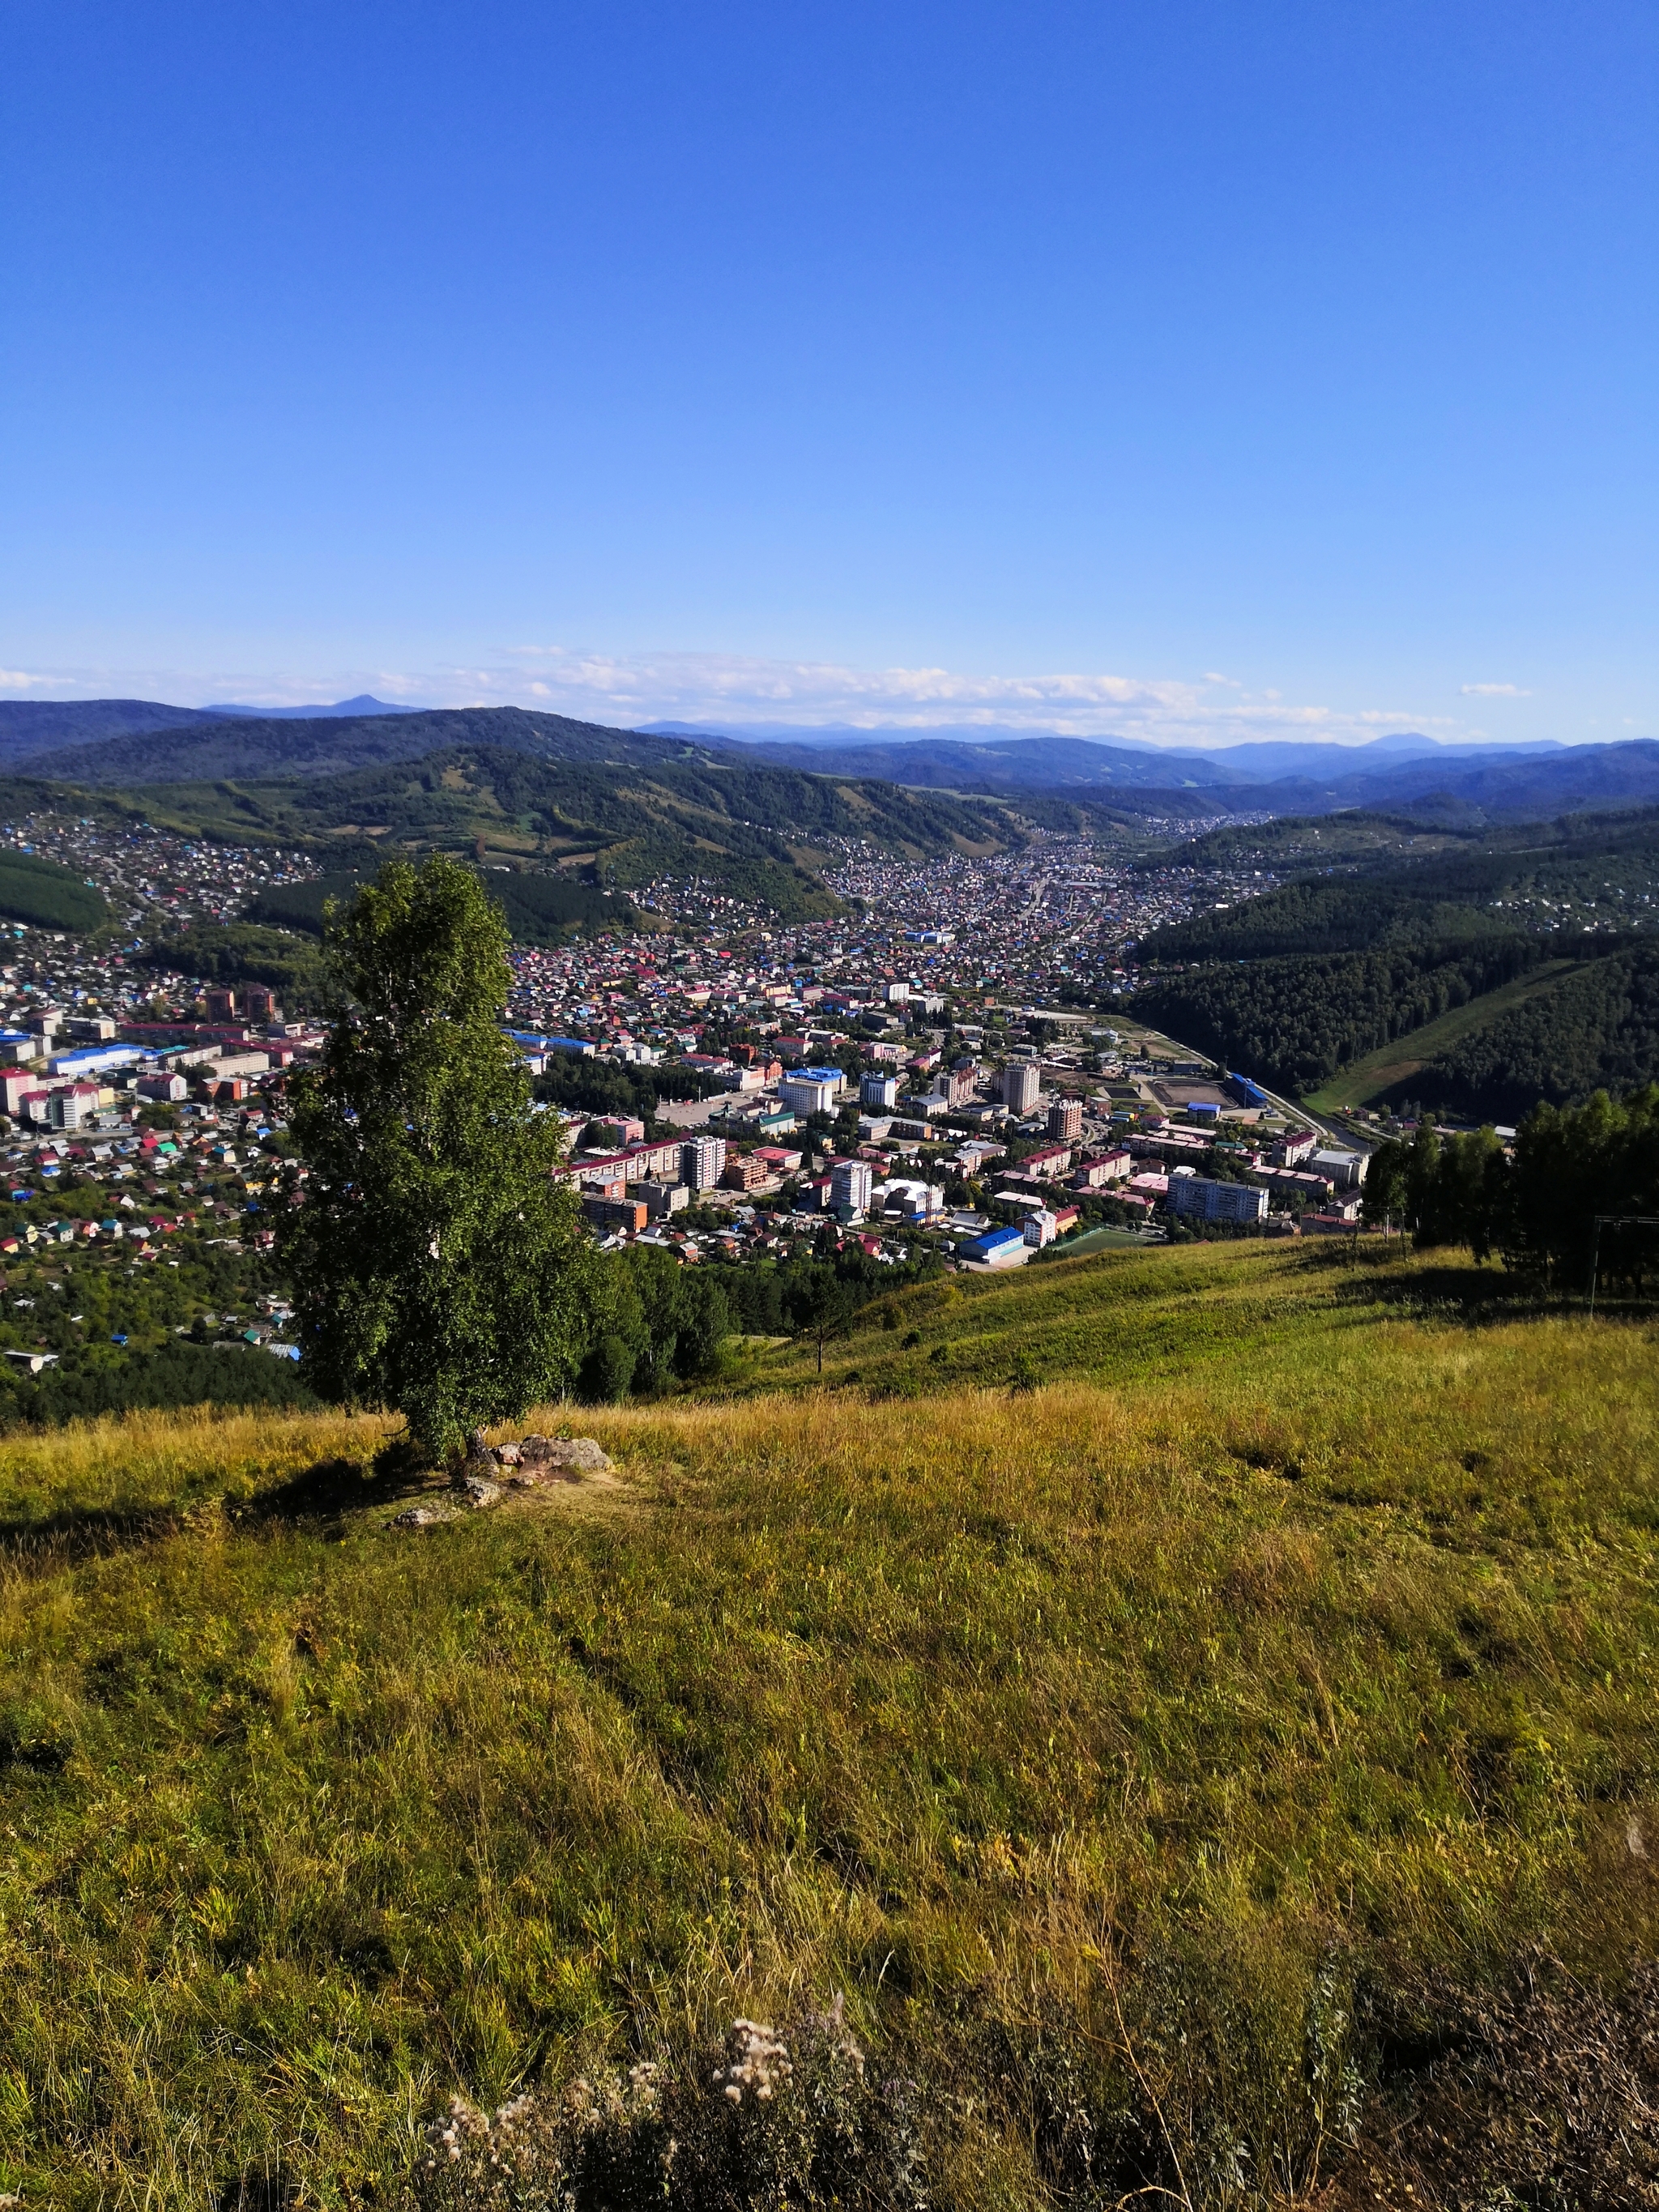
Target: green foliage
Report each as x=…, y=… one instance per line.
x=1445, y=1190
x=437, y=1266
x=243, y=952
x=1325, y=916
x=607, y=1371
x=604, y=1086
x=1539, y=1210
x=1571, y=1164
x=176, y=1375
x=774, y=1299
x=300, y=906
x=655, y=1325
x=40, y=892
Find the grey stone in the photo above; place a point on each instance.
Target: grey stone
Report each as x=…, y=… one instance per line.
x=582, y=1454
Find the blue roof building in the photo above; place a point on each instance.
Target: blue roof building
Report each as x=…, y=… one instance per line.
x=995, y=1245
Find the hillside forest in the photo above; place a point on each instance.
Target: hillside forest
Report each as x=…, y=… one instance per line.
x=1542, y=948
x=756, y=833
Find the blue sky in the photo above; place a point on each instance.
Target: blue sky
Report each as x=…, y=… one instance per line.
x=1190, y=371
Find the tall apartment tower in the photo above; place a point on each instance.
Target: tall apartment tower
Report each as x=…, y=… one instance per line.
x=850, y=1184
x=1066, y=1120
x=1021, y=1081
x=703, y=1162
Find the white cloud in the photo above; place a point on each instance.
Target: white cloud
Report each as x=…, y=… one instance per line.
x=735, y=692
x=1494, y=691
x=14, y=679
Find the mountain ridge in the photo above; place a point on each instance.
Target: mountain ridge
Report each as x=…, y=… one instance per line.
x=1451, y=783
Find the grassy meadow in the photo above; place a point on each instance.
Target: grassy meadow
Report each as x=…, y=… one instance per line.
x=1198, y=1706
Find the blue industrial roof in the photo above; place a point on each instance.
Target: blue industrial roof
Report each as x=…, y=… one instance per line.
x=992, y=1240
x=89, y=1057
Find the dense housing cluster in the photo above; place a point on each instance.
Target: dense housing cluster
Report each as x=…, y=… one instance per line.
x=926, y=1077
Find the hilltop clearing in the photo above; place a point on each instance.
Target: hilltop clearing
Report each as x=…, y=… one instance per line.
x=1222, y=1765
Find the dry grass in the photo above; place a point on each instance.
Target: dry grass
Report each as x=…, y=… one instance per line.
x=1158, y=1736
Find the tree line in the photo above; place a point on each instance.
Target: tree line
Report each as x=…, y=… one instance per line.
x=1293, y=1022
x=1536, y=1205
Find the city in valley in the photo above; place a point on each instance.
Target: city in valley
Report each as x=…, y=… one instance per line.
x=950, y=1067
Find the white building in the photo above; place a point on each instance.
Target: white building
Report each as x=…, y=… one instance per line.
x=1342, y=1170
x=1205, y=1200
x=703, y=1162
x=850, y=1184
x=811, y=1089
x=916, y=1198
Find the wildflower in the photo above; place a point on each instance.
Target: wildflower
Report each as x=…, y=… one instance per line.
x=758, y=2058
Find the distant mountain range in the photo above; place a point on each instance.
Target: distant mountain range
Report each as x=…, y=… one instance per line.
x=128, y=742
x=34, y=730
x=364, y=703
x=1045, y=757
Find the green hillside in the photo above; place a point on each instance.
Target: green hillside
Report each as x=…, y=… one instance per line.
x=49, y=897
x=1388, y=1075
x=1442, y=975
x=1218, y=1768
x=756, y=833
x=540, y=910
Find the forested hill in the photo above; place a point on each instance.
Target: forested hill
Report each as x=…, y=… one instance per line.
x=1525, y=961
x=118, y=742
x=221, y=747
x=1595, y=867
x=756, y=833
x=41, y=730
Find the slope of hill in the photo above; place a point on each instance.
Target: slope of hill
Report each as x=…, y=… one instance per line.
x=1465, y=785
x=39, y=728
x=1595, y=1027
x=539, y=909
x=1339, y=972
x=1013, y=764
x=235, y=747
x=51, y=897
x=758, y=834
x=1233, y=1757
x=121, y=742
